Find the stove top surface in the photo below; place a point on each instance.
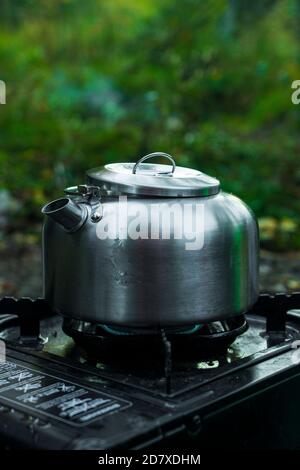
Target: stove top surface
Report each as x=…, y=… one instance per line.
x=190, y=367
x=125, y=396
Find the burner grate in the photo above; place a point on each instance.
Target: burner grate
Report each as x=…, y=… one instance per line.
x=102, y=340
x=173, y=355
x=102, y=343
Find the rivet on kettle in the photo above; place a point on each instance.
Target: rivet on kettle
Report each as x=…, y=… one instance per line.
x=96, y=217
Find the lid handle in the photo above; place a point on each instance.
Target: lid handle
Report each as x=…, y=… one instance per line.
x=156, y=154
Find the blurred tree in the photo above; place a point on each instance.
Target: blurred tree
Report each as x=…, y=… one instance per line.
x=98, y=81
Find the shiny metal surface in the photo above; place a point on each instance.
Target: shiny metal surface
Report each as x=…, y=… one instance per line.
x=152, y=179
x=156, y=154
x=155, y=282
x=66, y=212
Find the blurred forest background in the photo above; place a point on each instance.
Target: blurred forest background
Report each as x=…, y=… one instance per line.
x=97, y=81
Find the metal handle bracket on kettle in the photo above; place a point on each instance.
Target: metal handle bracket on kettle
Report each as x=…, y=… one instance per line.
x=156, y=154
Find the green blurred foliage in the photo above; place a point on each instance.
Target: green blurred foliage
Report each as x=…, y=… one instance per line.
x=207, y=81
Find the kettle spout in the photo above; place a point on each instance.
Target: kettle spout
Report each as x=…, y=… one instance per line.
x=67, y=213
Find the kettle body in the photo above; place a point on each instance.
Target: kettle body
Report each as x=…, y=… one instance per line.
x=147, y=261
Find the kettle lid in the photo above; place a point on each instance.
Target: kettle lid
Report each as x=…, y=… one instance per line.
x=152, y=179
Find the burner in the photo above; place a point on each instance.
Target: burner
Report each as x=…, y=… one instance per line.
x=107, y=340
x=116, y=330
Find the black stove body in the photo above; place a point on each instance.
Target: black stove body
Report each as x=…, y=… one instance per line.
x=72, y=385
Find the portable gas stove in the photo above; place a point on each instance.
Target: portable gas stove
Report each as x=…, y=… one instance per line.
x=68, y=384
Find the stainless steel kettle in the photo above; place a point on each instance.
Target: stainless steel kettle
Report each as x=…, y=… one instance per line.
x=149, y=245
